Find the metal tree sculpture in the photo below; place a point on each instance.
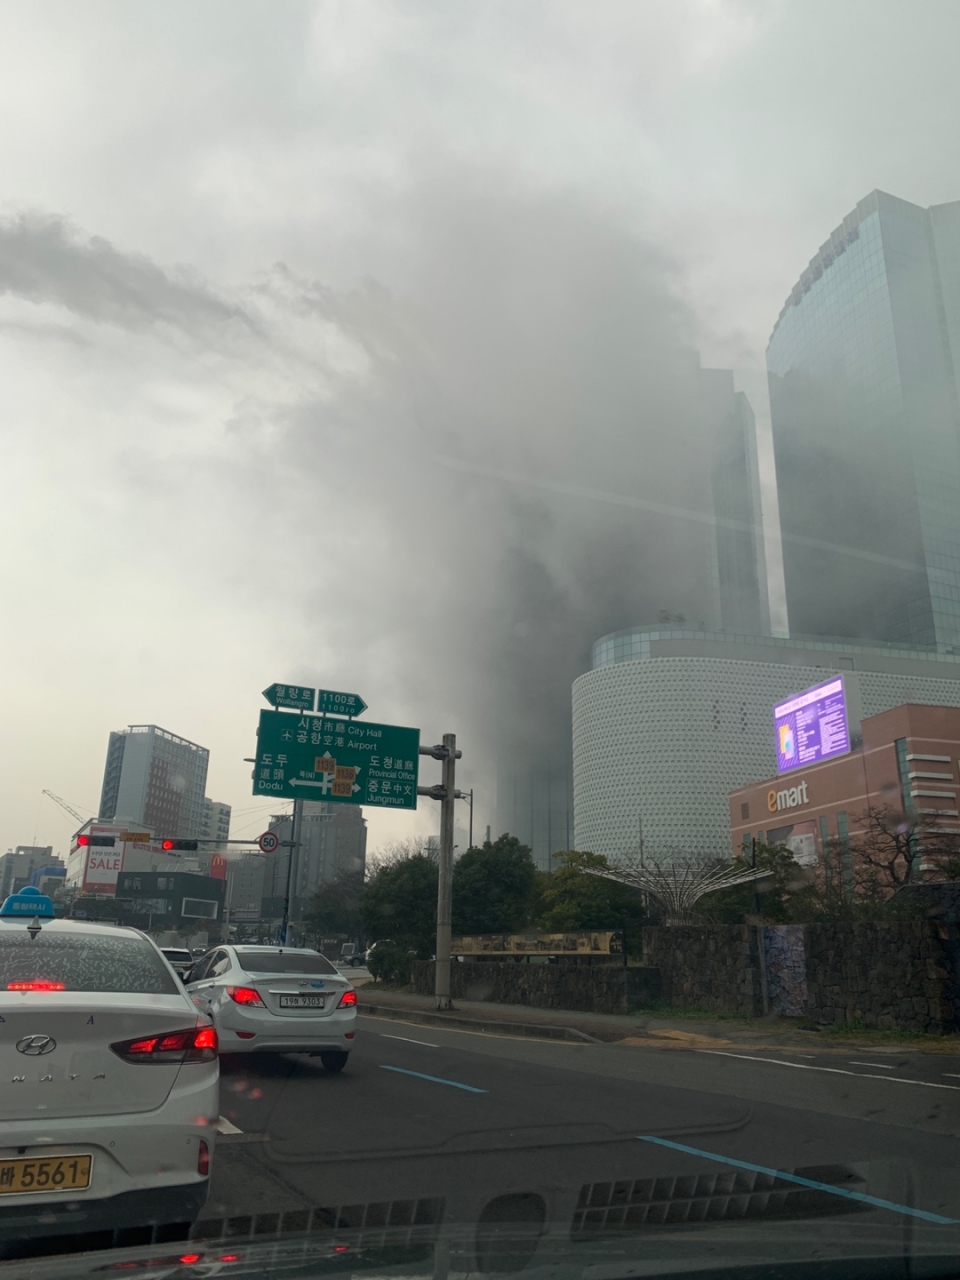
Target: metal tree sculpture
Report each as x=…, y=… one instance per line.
x=676, y=886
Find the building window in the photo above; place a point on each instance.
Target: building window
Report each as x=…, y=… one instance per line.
x=746, y=844
x=903, y=770
x=825, y=852
x=846, y=862
x=745, y=810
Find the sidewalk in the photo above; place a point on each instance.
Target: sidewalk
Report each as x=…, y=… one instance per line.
x=640, y=1029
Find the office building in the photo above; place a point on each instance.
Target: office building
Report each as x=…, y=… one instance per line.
x=863, y=370
x=907, y=762
x=694, y=530
x=215, y=824
x=669, y=722
x=155, y=781
x=168, y=900
x=246, y=874
x=18, y=866
x=333, y=841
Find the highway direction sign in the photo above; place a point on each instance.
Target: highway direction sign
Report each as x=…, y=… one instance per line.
x=330, y=702
x=294, y=696
x=310, y=757
x=269, y=842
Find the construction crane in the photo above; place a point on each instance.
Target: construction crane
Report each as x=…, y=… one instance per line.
x=58, y=800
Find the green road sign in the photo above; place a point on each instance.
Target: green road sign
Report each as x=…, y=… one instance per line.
x=294, y=696
x=310, y=757
x=331, y=703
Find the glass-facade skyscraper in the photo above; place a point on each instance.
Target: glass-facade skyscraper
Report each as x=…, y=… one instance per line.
x=863, y=368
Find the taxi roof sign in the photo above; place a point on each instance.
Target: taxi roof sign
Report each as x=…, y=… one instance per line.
x=28, y=902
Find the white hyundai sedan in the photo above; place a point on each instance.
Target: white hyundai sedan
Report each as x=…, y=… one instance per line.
x=109, y=1083
x=277, y=1000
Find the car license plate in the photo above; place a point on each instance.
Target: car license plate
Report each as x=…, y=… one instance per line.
x=301, y=1002
x=55, y=1173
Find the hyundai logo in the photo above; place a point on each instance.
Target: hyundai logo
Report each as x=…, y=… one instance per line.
x=34, y=1046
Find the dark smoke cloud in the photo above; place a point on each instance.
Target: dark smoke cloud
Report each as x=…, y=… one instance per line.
x=514, y=332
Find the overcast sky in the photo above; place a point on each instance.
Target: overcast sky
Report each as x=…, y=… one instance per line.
x=242, y=245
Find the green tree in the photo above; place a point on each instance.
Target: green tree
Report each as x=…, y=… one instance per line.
x=400, y=903
x=774, y=891
x=494, y=888
x=335, y=907
x=570, y=898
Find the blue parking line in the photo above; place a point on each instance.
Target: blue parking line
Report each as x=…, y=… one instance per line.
x=803, y=1182
x=454, y=1084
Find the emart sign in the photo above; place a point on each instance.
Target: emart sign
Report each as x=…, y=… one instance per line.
x=790, y=798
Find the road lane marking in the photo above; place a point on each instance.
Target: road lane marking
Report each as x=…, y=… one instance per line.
x=952, y=1074
x=881, y=1066
x=835, y=1071
x=224, y=1126
x=454, y=1084
x=408, y=1039
x=846, y=1194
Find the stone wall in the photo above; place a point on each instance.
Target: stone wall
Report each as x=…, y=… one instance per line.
x=604, y=988
x=712, y=967
x=895, y=976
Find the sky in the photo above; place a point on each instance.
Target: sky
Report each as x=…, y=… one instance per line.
x=335, y=337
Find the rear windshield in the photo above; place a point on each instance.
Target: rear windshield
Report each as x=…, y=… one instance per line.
x=179, y=957
x=83, y=963
x=284, y=962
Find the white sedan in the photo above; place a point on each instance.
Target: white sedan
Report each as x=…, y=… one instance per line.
x=109, y=1082
x=277, y=1000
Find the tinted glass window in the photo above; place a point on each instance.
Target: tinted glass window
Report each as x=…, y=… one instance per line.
x=179, y=957
x=221, y=963
x=284, y=962
x=83, y=963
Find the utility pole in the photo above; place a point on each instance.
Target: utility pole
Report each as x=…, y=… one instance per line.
x=291, y=845
x=447, y=794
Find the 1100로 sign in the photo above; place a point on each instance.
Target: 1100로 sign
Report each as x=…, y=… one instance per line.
x=309, y=757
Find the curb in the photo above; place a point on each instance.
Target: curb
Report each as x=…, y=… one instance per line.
x=424, y=1018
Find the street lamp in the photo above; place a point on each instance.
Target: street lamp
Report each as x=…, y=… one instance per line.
x=468, y=795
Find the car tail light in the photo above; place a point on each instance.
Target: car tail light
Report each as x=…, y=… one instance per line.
x=197, y=1044
x=36, y=986
x=348, y=999
x=246, y=995
x=203, y=1160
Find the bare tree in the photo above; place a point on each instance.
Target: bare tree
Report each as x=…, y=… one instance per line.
x=887, y=848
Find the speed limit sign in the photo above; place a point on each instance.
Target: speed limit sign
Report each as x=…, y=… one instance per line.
x=269, y=842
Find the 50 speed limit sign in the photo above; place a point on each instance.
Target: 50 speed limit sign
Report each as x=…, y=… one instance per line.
x=269, y=842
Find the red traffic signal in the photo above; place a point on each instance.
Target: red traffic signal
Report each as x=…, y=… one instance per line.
x=97, y=842
x=181, y=846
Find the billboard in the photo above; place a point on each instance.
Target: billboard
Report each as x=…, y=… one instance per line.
x=811, y=726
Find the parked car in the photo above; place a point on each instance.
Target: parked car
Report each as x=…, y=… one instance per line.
x=277, y=1000
x=110, y=1097
x=181, y=960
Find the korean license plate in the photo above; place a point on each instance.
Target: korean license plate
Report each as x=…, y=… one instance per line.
x=302, y=1002
x=55, y=1173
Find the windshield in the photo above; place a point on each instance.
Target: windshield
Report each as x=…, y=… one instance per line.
x=480, y=592
x=284, y=962
x=80, y=962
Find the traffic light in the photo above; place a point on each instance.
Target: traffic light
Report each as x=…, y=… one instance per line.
x=98, y=842
x=181, y=846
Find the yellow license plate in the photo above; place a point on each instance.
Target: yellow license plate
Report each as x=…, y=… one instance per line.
x=55, y=1173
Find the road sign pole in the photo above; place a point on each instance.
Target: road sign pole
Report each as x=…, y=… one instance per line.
x=292, y=845
x=445, y=881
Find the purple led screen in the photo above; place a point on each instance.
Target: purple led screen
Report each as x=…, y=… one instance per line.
x=811, y=726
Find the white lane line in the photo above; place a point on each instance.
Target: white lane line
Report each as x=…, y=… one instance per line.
x=882, y=1066
x=952, y=1074
x=224, y=1126
x=835, y=1071
x=811, y=1056
x=386, y=1036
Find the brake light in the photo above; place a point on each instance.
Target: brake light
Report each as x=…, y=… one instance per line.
x=36, y=986
x=196, y=1044
x=348, y=999
x=203, y=1160
x=245, y=995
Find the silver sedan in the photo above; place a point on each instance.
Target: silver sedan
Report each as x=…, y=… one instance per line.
x=276, y=1000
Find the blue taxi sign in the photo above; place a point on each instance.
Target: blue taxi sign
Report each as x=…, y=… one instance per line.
x=28, y=902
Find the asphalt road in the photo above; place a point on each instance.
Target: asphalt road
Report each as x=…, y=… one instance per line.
x=457, y=1119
